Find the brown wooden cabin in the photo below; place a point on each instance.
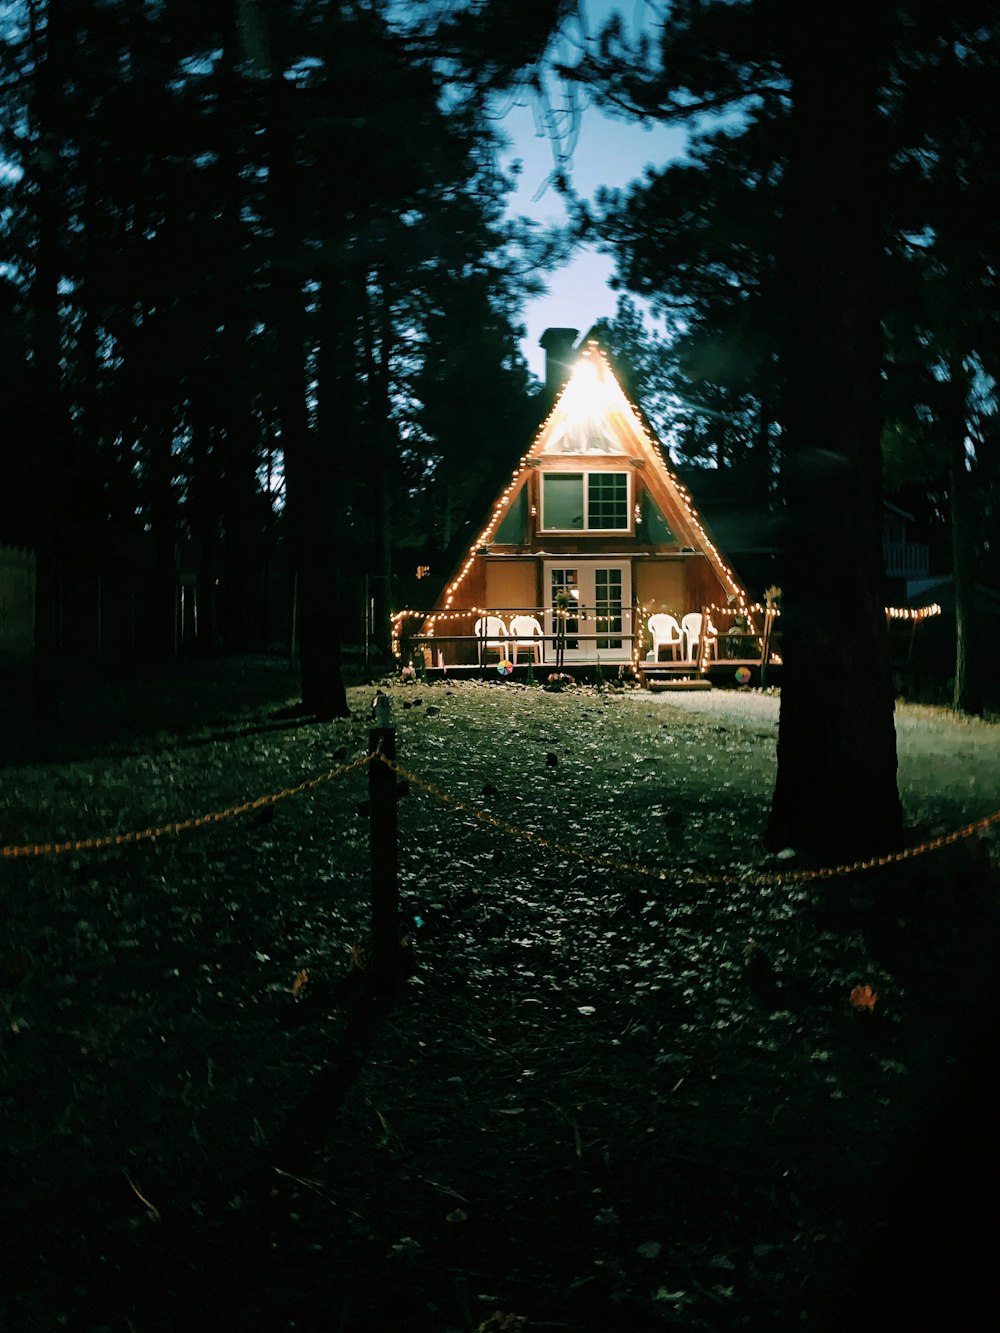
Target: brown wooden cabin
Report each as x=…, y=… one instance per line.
x=591, y=536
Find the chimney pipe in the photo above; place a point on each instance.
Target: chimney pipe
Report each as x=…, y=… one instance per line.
x=558, y=345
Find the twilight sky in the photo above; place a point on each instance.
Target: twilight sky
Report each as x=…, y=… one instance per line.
x=608, y=152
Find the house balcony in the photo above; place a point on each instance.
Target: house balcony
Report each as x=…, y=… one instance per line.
x=471, y=640
x=905, y=560
x=477, y=636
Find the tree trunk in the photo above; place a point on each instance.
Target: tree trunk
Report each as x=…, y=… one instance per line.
x=309, y=494
x=382, y=456
x=760, y=454
x=241, y=612
x=337, y=409
x=51, y=427
x=160, y=594
x=967, y=696
x=390, y=455
x=242, y=577
x=48, y=417
x=836, y=795
x=203, y=514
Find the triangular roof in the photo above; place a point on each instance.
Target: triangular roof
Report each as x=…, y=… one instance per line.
x=594, y=416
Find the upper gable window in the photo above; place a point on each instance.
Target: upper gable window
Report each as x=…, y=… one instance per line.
x=582, y=437
x=585, y=502
x=582, y=418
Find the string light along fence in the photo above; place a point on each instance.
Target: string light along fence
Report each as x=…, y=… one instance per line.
x=386, y=944
x=722, y=876
x=381, y=756
x=181, y=825
x=383, y=773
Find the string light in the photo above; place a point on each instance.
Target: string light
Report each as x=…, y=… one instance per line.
x=593, y=368
x=763, y=877
x=593, y=360
x=913, y=612
x=528, y=835
x=180, y=825
x=893, y=612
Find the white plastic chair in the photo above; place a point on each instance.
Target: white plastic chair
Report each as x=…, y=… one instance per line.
x=526, y=632
x=492, y=635
x=666, y=634
x=691, y=630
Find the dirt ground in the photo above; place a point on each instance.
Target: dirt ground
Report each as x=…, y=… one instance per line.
x=626, y=1086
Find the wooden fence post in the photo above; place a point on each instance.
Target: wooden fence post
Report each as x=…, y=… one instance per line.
x=765, y=645
x=384, y=853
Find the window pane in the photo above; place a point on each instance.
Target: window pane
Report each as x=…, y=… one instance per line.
x=562, y=500
x=607, y=496
x=608, y=606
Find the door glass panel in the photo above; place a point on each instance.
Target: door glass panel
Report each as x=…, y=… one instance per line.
x=608, y=607
x=596, y=611
x=565, y=600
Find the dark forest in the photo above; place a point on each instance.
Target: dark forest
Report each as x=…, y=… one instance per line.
x=261, y=318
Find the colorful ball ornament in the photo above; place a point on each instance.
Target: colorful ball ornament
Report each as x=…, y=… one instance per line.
x=743, y=675
x=505, y=667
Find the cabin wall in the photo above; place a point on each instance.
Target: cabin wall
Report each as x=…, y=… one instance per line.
x=703, y=585
x=660, y=585
x=675, y=586
x=473, y=590
x=511, y=583
x=471, y=594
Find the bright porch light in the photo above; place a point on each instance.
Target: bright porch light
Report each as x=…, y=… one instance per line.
x=588, y=393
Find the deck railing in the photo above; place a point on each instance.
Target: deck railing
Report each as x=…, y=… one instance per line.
x=573, y=629
x=580, y=634
x=906, y=560
x=736, y=635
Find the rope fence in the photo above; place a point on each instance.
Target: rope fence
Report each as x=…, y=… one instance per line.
x=181, y=825
x=774, y=877
x=659, y=872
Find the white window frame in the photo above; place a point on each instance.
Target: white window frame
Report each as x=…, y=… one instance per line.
x=585, y=474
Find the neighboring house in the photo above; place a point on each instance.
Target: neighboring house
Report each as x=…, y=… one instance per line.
x=751, y=533
x=746, y=524
x=935, y=656
x=903, y=559
x=592, y=534
x=940, y=588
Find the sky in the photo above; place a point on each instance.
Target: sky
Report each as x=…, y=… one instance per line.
x=609, y=152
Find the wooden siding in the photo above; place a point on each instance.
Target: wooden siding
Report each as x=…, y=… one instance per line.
x=704, y=587
x=660, y=585
x=512, y=583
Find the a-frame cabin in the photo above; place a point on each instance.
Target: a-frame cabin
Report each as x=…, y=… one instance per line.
x=590, y=537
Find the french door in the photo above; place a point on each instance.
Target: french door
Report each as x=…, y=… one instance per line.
x=593, y=600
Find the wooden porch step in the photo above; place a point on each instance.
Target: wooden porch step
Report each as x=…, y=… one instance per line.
x=667, y=683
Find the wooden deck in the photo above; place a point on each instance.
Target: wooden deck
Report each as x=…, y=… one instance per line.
x=674, y=675
x=584, y=646
x=661, y=676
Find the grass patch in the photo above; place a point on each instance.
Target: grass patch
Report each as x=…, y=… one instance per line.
x=586, y=1111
